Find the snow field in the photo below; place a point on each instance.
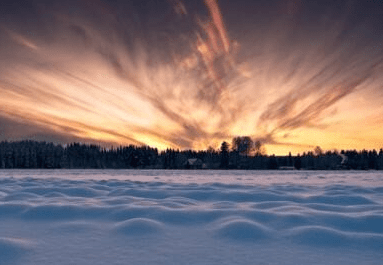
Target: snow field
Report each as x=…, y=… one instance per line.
x=90, y=221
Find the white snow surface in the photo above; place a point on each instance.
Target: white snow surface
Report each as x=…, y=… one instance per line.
x=190, y=217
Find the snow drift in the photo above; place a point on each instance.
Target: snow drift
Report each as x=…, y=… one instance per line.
x=56, y=217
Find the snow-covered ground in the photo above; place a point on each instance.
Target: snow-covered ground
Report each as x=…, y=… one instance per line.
x=190, y=217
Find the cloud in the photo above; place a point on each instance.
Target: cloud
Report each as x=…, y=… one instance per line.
x=128, y=72
x=12, y=129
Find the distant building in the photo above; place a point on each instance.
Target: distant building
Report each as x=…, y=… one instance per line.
x=287, y=168
x=343, y=163
x=194, y=163
x=344, y=159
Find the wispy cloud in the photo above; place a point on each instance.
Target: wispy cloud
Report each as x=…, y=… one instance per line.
x=110, y=72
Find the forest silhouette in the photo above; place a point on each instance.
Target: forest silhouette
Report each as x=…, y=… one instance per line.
x=242, y=153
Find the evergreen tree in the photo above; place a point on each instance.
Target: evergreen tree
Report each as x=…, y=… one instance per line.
x=224, y=154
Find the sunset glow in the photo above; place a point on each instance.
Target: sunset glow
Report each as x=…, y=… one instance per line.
x=193, y=75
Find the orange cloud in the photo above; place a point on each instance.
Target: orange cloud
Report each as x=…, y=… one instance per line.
x=86, y=82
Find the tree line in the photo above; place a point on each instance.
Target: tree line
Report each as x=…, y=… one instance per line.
x=243, y=153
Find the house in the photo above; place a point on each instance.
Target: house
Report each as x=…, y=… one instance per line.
x=287, y=168
x=343, y=163
x=194, y=163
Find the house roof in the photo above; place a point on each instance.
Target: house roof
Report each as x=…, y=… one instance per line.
x=194, y=161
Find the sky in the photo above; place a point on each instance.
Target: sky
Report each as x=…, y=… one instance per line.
x=191, y=74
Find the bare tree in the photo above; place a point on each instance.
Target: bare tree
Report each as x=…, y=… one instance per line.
x=243, y=144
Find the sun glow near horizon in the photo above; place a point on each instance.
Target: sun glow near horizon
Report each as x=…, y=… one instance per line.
x=97, y=77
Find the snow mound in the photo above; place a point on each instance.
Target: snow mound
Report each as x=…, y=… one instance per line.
x=319, y=236
x=110, y=217
x=12, y=248
x=242, y=230
x=139, y=227
x=50, y=212
x=75, y=227
x=341, y=200
x=325, y=237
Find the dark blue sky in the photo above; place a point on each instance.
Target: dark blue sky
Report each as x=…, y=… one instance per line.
x=246, y=20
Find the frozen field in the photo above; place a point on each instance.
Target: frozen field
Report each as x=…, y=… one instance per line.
x=190, y=217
